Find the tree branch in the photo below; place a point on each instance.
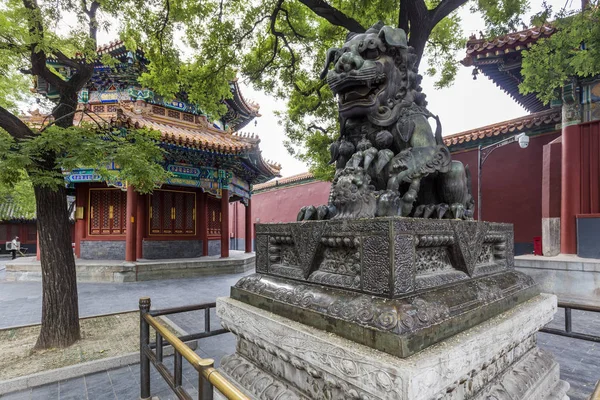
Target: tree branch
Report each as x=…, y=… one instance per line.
x=444, y=9
x=318, y=128
x=287, y=18
x=36, y=33
x=14, y=126
x=86, y=70
x=63, y=59
x=333, y=15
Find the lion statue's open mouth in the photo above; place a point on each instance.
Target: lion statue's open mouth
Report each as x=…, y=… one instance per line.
x=359, y=88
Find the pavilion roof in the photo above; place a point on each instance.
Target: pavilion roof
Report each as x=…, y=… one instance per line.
x=544, y=119
x=12, y=212
x=240, y=110
x=500, y=58
x=478, y=49
x=196, y=135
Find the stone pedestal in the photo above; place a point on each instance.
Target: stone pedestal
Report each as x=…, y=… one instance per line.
x=389, y=308
x=277, y=358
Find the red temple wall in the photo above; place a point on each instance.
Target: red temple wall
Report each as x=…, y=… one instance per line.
x=280, y=205
x=512, y=192
x=512, y=187
x=26, y=232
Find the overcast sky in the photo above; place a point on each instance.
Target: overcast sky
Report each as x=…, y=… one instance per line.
x=466, y=105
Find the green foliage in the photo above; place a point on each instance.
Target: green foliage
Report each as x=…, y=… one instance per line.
x=135, y=151
x=20, y=194
x=572, y=51
x=501, y=16
x=196, y=48
x=281, y=47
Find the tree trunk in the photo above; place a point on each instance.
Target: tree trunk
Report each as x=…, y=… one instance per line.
x=60, y=309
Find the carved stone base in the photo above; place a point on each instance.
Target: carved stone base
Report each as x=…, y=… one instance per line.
x=277, y=358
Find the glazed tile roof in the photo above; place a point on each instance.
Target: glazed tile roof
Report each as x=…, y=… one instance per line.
x=191, y=135
x=544, y=118
x=512, y=42
x=9, y=211
x=305, y=176
x=194, y=135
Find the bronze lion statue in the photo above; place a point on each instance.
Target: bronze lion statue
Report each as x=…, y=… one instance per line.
x=388, y=159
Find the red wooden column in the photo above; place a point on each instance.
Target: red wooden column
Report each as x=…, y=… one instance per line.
x=140, y=225
x=37, y=247
x=130, y=224
x=570, y=188
x=81, y=192
x=225, y=223
x=249, y=232
x=202, y=216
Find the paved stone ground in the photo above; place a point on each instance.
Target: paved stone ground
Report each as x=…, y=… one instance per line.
x=20, y=303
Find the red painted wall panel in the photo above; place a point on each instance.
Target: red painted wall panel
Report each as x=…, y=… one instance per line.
x=512, y=185
x=280, y=205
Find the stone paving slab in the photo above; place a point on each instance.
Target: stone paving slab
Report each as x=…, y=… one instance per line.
x=20, y=303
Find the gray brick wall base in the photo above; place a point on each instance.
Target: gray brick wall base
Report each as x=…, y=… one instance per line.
x=103, y=249
x=167, y=249
x=214, y=247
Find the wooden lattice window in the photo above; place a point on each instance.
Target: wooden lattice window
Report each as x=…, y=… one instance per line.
x=188, y=117
x=98, y=109
x=214, y=216
x=107, y=211
x=173, y=114
x=172, y=213
x=158, y=110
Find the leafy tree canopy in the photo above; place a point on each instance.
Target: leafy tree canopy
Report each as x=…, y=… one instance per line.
x=280, y=47
x=572, y=51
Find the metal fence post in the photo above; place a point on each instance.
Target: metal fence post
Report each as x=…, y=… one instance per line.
x=568, y=323
x=205, y=389
x=144, y=305
x=207, y=320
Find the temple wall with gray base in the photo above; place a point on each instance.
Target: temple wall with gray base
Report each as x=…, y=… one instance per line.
x=103, y=249
x=496, y=359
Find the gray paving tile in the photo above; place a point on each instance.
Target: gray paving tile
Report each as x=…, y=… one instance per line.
x=45, y=392
x=22, y=395
x=99, y=386
x=72, y=389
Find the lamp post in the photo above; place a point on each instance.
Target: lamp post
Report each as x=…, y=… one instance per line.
x=484, y=152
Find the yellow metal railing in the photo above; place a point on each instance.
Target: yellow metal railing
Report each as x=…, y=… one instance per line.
x=209, y=377
x=596, y=394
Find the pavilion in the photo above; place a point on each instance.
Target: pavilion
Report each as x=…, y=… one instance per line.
x=211, y=162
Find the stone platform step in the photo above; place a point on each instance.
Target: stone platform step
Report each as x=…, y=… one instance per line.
x=28, y=269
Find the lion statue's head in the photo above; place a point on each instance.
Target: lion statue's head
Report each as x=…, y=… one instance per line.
x=374, y=75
